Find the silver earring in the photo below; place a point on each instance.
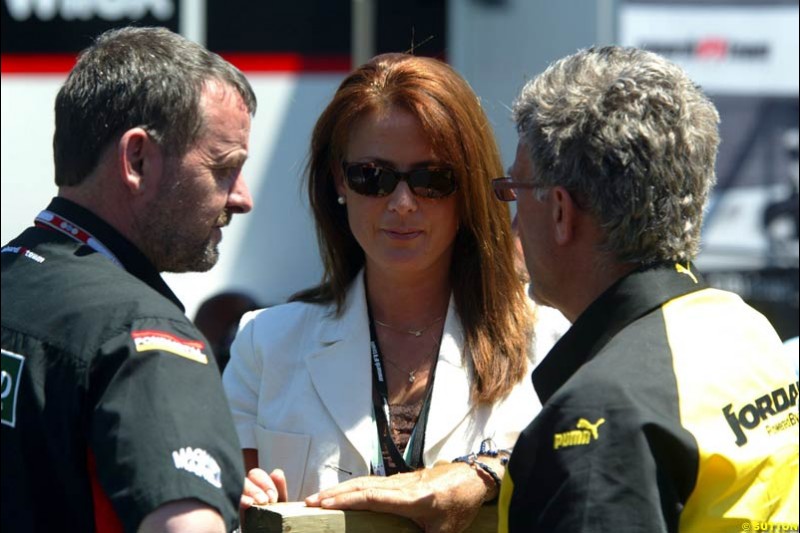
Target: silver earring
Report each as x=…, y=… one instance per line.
x=342, y=200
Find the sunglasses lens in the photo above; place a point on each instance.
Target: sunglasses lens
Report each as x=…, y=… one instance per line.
x=432, y=183
x=371, y=180
x=367, y=180
x=506, y=195
x=386, y=180
x=503, y=191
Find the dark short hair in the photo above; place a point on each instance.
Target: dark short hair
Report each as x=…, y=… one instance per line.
x=135, y=77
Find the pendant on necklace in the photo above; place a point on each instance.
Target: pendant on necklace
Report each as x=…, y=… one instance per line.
x=411, y=377
x=416, y=332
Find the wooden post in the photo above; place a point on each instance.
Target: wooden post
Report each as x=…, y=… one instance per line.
x=295, y=517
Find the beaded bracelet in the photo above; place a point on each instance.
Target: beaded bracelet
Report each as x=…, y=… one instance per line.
x=472, y=459
x=489, y=449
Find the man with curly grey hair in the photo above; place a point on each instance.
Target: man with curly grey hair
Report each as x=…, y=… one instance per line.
x=668, y=406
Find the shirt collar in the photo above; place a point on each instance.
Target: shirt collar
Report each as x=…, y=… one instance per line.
x=631, y=297
x=132, y=259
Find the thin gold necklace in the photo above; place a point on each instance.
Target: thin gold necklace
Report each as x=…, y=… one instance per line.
x=415, y=332
x=411, y=375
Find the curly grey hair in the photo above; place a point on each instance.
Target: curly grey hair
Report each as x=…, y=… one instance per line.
x=633, y=138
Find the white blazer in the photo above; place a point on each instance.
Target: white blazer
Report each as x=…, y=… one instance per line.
x=299, y=384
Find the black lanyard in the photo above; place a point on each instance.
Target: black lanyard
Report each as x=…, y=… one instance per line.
x=383, y=418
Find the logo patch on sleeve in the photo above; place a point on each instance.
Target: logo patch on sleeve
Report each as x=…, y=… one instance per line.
x=583, y=435
x=200, y=463
x=12, y=364
x=150, y=339
x=23, y=251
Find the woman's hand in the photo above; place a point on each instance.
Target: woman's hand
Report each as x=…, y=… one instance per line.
x=261, y=488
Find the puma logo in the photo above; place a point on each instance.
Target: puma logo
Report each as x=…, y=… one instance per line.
x=583, y=435
x=585, y=424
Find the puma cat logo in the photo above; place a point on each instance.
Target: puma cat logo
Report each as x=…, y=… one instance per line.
x=585, y=424
x=582, y=436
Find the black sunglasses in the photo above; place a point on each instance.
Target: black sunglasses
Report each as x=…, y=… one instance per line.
x=370, y=179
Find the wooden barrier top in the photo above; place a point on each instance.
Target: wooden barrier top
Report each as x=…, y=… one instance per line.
x=295, y=517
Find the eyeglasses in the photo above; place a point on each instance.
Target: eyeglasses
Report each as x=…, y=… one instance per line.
x=370, y=179
x=504, y=188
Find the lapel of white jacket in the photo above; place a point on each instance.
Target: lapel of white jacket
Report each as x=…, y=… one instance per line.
x=341, y=373
x=450, y=402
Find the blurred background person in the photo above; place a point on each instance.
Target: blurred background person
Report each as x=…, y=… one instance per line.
x=218, y=318
x=782, y=216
